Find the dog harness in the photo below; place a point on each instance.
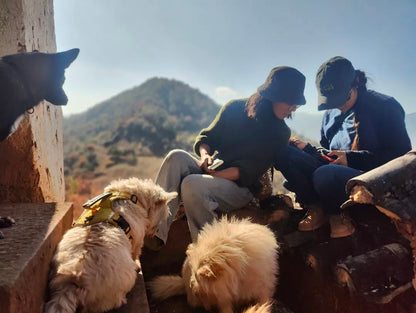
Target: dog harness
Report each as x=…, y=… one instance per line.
x=100, y=210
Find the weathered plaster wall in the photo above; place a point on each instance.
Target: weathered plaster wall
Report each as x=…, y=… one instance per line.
x=31, y=160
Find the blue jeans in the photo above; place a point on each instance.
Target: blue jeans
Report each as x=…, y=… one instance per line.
x=313, y=181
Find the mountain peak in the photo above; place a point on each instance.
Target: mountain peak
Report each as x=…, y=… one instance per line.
x=158, y=113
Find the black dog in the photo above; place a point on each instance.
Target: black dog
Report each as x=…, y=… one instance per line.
x=28, y=78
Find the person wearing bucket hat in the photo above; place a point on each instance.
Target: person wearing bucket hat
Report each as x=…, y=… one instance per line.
x=245, y=136
x=361, y=129
x=284, y=84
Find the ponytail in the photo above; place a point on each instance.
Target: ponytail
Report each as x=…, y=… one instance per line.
x=360, y=81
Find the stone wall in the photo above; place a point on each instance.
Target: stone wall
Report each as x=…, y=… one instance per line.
x=31, y=160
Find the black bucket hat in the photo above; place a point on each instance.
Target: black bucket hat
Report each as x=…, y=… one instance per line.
x=284, y=84
x=334, y=81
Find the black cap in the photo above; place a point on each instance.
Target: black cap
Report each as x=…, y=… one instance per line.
x=284, y=84
x=334, y=80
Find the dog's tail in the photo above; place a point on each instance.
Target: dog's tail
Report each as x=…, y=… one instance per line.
x=263, y=308
x=163, y=287
x=64, y=300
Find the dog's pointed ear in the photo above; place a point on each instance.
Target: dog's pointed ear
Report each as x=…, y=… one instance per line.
x=166, y=197
x=170, y=196
x=210, y=271
x=65, y=58
x=206, y=272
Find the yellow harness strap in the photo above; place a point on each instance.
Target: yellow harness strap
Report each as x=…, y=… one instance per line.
x=100, y=210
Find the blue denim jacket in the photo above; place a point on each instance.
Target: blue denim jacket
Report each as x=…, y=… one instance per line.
x=378, y=120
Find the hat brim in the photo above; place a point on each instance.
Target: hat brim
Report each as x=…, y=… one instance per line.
x=299, y=101
x=266, y=93
x=333, y=101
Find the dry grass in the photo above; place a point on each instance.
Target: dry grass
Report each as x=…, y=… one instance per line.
x=92, y=185
x=146, y=167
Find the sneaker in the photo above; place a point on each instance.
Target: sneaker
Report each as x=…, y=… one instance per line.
x=153, y=243
x=313, y=219
x=341, y=226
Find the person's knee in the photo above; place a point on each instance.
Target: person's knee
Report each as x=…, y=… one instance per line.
x=282, y=157
x=333, y=177
x=176, y=156
x=192, y=187
x=324, y=177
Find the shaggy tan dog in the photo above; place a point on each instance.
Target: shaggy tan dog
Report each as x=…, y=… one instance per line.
x=94, y=266
x=232, y=263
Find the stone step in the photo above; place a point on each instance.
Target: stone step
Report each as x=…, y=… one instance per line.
x=26, y=252
x=136, y=299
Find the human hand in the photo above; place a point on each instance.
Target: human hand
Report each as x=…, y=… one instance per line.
x=341, y=157
x=297, y=143
x=206, y=160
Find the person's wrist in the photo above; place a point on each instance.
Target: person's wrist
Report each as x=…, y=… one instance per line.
x=302, y=145
x=299, y=144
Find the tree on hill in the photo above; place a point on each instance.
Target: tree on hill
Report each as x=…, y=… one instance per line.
x=156, y=116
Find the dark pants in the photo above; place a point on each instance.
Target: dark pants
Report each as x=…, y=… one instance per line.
x=313, y=181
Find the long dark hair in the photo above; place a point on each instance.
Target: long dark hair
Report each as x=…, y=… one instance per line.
x=360, y=83
x=259, y=108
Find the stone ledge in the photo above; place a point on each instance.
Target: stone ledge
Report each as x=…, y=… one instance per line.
x=26, y=252
x=136, y=299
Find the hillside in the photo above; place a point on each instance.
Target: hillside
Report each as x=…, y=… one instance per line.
x=172, y=107
x=148, y=120
x=128, y=134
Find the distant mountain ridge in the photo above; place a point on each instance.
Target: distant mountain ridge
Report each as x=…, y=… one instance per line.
x=158, y=114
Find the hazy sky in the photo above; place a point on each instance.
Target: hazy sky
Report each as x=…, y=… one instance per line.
x=226, y=48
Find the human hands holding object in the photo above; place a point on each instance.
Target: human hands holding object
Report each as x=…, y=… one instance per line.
x=297, y=143
x=207, y=160
x=341, y=157
x=216, y=162
x=334, y=157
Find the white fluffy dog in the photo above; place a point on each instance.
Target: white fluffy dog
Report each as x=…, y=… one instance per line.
x=232, y=263
x=94, y=265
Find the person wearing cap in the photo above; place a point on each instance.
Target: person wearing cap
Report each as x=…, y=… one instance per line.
x=361, y=130
x=245, y=135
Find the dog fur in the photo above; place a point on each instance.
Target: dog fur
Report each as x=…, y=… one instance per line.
x=232, y=263
x=94, y=266
x=28, y=78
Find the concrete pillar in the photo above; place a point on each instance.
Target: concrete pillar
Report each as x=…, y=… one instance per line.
x=31, y=160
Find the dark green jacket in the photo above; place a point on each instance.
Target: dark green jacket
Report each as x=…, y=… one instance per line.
x=244, y=142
